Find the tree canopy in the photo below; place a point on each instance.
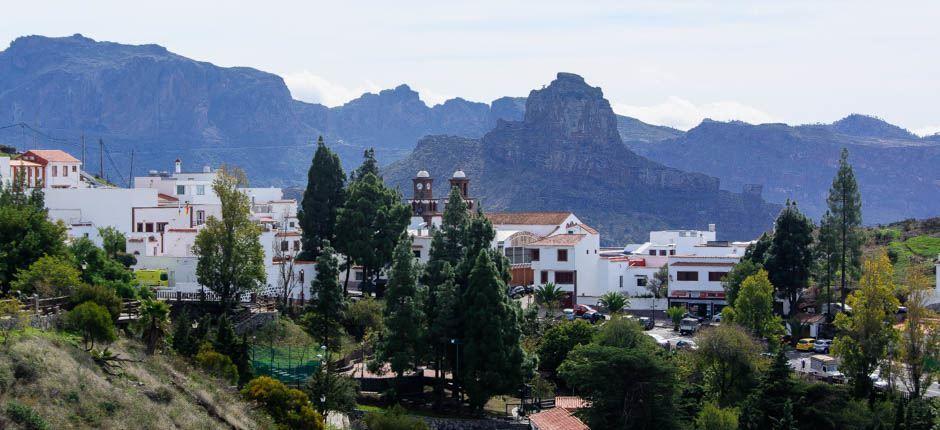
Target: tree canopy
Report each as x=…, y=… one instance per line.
x=324, y=196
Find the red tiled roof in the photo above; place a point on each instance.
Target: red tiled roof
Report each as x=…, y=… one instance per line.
x=588, y=228
x=703, y=264
x=559, y=240
x=528, y=218
x=556, y=419
x=167, y=197
x=571, y=403
x=53, y=155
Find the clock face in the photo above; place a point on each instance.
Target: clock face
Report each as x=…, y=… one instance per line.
x=420, y=186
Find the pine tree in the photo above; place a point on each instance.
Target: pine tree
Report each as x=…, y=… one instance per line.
x=324, y=195
x=369, y=165
x=369, y=225
x=827, y=257
x=402, y=346
x=492, y=352
x=182, y=336
x=790, y=255
x=328, y=304
x=845, y=204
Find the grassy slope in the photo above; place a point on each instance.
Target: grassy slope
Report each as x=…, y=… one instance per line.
x=71, y=391
x=909, y=243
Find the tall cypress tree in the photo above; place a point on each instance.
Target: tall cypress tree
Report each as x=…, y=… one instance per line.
x=324, y=195
x=328, y=305
x=401, y=346
x=369, y=165
x=492, y=354
x=370, y=224
x=845, y=204
x=790, y=256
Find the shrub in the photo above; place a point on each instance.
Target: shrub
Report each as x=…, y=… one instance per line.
x=289, y=407
x=100, y=295
x=393, y=419
x=25, y=371
x=160, y=395
x=93, y=322
x=711, y=417
x=25, y=416
x=49, y=276
x=217, y=364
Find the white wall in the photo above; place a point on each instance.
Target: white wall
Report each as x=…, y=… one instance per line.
x=101, y=206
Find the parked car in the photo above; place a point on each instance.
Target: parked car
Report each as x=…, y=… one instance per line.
x=583, y=309
x=593, y=316
x=902, y=309
x=516, y=292
x=568, y=314
x=688, y=326
x=646, y=323
x=878, y=383
x=822, y=345
x=661, y=341
x=826, y=368
x=686, y=344
x=698, y=318
x=717, y=317
x=805, y=344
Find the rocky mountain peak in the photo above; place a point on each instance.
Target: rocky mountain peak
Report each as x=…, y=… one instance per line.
x=572, y=110
x=869, y=126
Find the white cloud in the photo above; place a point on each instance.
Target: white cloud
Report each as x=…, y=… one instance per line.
x=308, y=87
x=929, y=130
x=683, y=114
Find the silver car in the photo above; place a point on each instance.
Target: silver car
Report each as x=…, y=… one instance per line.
x=822, y=346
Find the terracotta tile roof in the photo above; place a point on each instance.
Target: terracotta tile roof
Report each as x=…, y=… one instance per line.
x=528, y=218
x=24, y=163
x=571, y=403
x=588, y=228
x=703, y=264
x=53, y=155
x=556, y=419
x=167, y=197
x=559, y=240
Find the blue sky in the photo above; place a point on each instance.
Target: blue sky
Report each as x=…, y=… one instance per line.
x=670, y=63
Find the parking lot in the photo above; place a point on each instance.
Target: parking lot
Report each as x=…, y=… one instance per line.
x=664, y=329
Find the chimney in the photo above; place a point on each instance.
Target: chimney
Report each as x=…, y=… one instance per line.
x=711, y=227
x=178, y=166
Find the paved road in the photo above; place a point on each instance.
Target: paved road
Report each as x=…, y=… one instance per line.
x=799, y=361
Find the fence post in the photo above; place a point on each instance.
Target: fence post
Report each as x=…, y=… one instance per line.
x=179, y=296
x=36, y=303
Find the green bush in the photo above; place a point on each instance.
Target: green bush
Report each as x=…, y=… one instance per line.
x=102, y=296
x=25, y=416
x=25, y=371
x=289, y=407
x=93, y=322
x=217, y=364
x=160, y=395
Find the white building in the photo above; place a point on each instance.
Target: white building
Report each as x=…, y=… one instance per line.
x=50, y=168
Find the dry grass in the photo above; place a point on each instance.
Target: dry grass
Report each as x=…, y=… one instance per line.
x=64, y=385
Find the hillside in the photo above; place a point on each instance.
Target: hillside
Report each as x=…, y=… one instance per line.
x=908, y=243
x=896, y=171
x=567, y=154
x=49, y=374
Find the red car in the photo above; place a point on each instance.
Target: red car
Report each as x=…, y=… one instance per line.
x=588, y=313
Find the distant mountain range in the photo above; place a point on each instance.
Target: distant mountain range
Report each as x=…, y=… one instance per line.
x=162, y=106
x=567, y=154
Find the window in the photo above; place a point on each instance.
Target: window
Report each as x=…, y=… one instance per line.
x=360, y=276
x=417, y=253
x=621, y=281
x=140, y=226
x=291, y=224
x=534, y=254
x=716, y=276
x=296, y=245
x=65, y=170
x=544, y=277
x=200, y=217
x=662, y=252
x=687, y=276
x=562, y=255
x=161, y=227
x=149, y=227
x=74, y=168
x=564, y=277
x=284, y=245
x=641, y=281
x=55, y=171
x=180, y=190
x=672, y=252
x=300, y=276
x=200, y=190
x=652, y=252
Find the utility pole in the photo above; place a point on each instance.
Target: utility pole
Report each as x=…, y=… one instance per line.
x=100, y=158
x=130, y=174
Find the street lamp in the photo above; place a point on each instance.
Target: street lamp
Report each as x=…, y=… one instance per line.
x=456, y=343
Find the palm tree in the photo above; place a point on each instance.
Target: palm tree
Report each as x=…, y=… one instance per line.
x=548, y=296
x=614, y=301
x=675, y=313
x=153, y=323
